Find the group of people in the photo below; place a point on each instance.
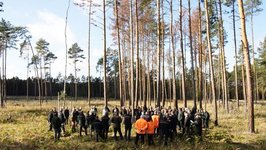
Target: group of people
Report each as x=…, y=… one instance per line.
x=147, y=122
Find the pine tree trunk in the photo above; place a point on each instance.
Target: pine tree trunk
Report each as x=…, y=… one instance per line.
x=119, y=55
x=221, y=32
x=75, y=84
x=191, y=54
x=254, y=84
x=211, y=64
x=200, y=92
x=137, y=53
x=132, y=59
x=4, y=78
x=249, y=93
x=89, y=55
x=173, y=55
x=244, y=81
x=182, y=55
x=144, y=74
x=104, y=56
x=65, y=32
x=162, y=48
x=158, y=54
x=1, y=91
x=235, y=46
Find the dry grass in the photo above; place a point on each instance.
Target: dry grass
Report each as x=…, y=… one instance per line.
x=25, y=127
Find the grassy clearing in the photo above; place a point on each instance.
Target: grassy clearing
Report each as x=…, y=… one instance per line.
x=26, y=127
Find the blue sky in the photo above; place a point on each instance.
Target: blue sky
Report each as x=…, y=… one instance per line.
x=46, y=19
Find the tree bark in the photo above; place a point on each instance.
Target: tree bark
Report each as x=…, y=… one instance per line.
x=137, y=53
x=162, y=51
x=104, y=56
x=211, y=64
x=132, y=60
x=221, y=37
x=182, y=55
x=65, y=78
x=192, y=58
x=89, y=56
x=173, y=55
x=119, y=55
x=250, y=96
x=200, y=93
x=158, y=54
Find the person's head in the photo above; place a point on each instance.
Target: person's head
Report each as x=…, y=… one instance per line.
x=149, y=119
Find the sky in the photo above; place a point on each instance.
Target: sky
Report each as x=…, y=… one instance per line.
x=46, y=19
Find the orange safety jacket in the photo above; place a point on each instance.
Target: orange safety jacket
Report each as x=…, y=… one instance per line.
x=150, y=129
x=155, y=119
x=141, y=126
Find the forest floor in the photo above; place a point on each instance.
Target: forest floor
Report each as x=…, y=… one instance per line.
x=25, y=126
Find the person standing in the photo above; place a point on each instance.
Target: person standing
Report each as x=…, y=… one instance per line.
x=66, y=113
x=56, y=126
x=105, y=124
x=150, y=131
x=128, y=125
x=141, y=125
x=82, y=123
x=116, y=120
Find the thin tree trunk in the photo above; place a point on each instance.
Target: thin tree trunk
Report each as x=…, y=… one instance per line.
x=200, y=92
x=119, y=55
x=182, y=55
x=211, y=64
x=50, y=81
x=137, y=53
x=235, y=46
x=158, y=54
x=66, y=19
x=253, y=57
x=162, y=49
x=104, y=56
x=1, y=91
x=4, y=88
x=144, y=74
x=191, y=54
x=89, y=57
x=75, y=86
x=173, y=55
x=250, y=96
x=28, y=60
x=148, y=73
x=243, y=80
x=221, y=31
x=37, y=74
x=132, y=59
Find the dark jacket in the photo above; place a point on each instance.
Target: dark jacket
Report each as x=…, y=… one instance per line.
x=105, y=121
x=62, y=117
x=97, y=125
x=66, y=113
x=56, y=122
x=116, y=121
x=50, y=116
x=81, y=119
x=127, y=121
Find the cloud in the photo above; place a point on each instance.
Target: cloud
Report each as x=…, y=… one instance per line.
x=51, y=27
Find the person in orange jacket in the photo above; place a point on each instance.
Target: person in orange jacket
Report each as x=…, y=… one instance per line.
x=150, y=131
x=141, y=125
x=155, y=119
